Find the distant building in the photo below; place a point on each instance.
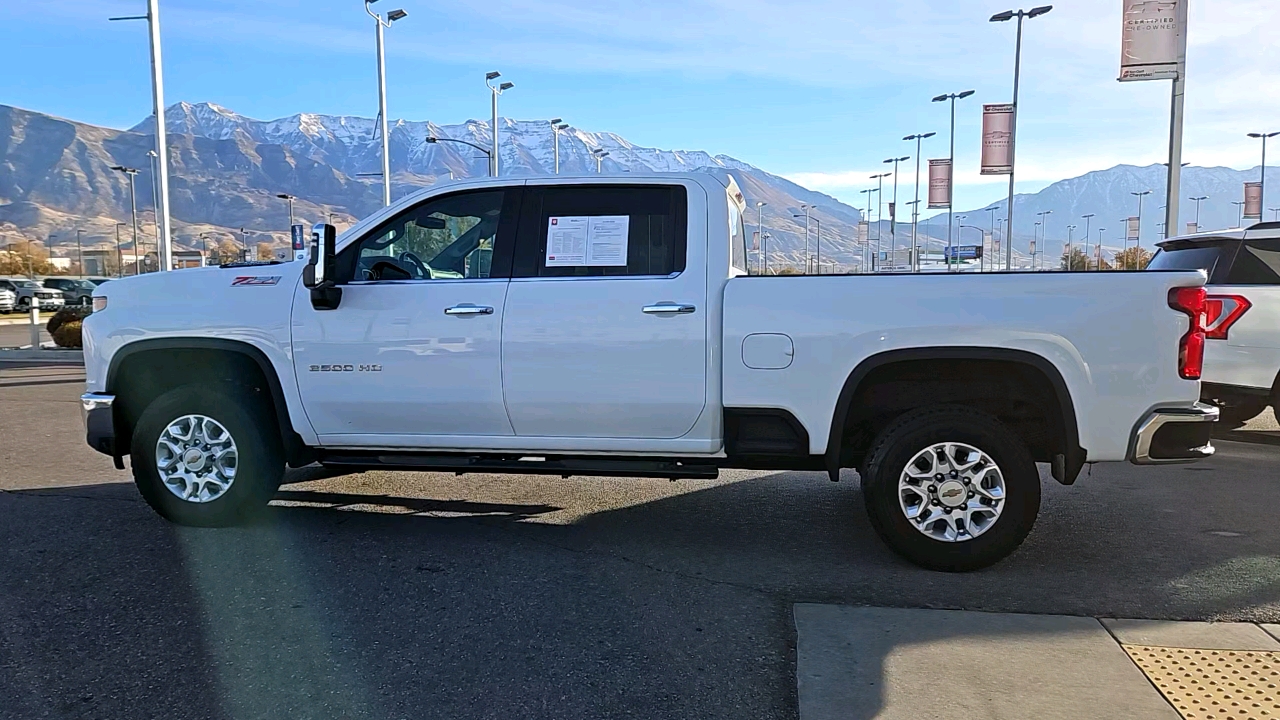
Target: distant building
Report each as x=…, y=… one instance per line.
x=188, y=259
x=60, y=264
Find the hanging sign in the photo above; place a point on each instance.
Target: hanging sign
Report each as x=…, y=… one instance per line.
x=997, y=139
x=1152, y=39
x=1253, y=201
x=940, y=183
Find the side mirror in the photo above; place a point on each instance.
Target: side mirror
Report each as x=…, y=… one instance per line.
x=320, y=274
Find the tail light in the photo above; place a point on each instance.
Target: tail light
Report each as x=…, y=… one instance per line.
x=1221, y=312
x=1190, y=302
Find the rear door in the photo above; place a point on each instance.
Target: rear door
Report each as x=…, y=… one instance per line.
x=605, y=331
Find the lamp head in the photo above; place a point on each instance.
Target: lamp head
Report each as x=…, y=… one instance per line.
x=557, y=121
x=396, y=14
x=1037, y=12
x=1002, y=17
x=491, y=75
x=942, y=98
x=966, y=94
x=562, y=126
x=431, y=140
x=506, y=86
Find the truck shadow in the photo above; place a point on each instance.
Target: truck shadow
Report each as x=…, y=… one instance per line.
x=344, y=604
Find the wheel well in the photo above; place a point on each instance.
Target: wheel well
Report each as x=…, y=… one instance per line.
x=1018, y=392
x=139, y=375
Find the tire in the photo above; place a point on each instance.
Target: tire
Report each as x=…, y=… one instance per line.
x=989, y=539
x=247, y=418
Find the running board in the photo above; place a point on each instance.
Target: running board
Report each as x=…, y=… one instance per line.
x=524, y=464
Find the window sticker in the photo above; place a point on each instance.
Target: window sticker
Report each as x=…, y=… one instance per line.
x=587, y=240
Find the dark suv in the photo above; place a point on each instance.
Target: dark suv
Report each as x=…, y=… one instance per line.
x=74, y=290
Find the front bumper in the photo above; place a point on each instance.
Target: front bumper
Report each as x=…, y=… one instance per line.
x=99, y=423
x=1174, y=435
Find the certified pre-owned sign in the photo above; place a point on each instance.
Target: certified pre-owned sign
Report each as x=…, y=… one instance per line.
x=245, y=280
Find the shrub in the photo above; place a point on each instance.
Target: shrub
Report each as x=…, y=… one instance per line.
x=68, y=334
x=66, y=315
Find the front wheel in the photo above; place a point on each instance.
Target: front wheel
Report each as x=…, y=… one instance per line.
x=208, y=456
x=950, y=488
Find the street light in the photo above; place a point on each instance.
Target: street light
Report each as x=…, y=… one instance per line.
x=119, y=256
x=879, y=178
x=1070, y=238
x=1088, y=221
x=290, y=199
x=893, y=207
x=481, y=148
x=1240, y=217
x=495, y=91
x=244, y=244
x=1140, y=196
x=556, y=126
x=1044, y=226
x=1263, y=190
x=1013, y=134
x=950, y=200
x=379, y=24
x=600, y=154
x=133, y=211
x=80, y=252
x=915, y=211
x=1197, y=201
x=760, y=235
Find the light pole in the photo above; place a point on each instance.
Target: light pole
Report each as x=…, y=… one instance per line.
x=893, y=208
x=1013, y=134
x=915, y=212
x=1197, y=201
x=962, y=218
x=807, y=209
x=133, y=211
x=556, y=126
x=155, y=194
x=1240, y=217
x=119, y=256
x=1263, y=137
x=488, y=156
x=244, y=244
x=600, y=154
x=1098, y=249
x=1035, y=237
x=866, y=243
x=79, y=253
x=165, y=249
x=950, y=200
x=760, y=234
x=204, y=249
x=1277, y=212
x=1138, y=252
x=879, y=211
x=1088, y=221
x=380, y=23
x=495, y=91
x=289, y=198
x=1044, y=226
x=817, y=239
x=1071, y=229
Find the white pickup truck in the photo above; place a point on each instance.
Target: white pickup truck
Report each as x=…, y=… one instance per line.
x=610, y=326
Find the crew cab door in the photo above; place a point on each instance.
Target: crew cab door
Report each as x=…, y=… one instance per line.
x=411, y=356
x=605, y=331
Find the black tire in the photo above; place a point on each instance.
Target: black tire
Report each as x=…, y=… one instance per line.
x=249, y=419
x=915, y=431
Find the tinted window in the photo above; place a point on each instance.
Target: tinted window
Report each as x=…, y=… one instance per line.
x=1257, y=263
x=602, y=230
x=1212, y=257
x=453, y=237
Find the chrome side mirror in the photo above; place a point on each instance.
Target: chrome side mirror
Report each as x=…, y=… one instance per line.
x=320, y=274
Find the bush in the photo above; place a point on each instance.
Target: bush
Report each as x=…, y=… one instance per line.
x=67, y=315
x=68, y=335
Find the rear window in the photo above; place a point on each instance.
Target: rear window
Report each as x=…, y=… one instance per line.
x=1212, y=257
x=1257, y=263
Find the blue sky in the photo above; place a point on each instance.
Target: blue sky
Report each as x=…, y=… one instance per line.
x=818, y=90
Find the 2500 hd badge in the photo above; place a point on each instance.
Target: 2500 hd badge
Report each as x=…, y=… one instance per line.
x=345, y=368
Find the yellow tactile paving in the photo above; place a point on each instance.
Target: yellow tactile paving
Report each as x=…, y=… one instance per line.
x=1213, y=684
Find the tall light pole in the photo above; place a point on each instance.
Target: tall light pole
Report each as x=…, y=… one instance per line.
x=289, y=198
x=1263, y=137
x=893, y=208
x=133, y=211
x=556, y=126
x=879, y=178
x=380, y=23
x=807, y=209
x=1197, y=201
x=600, y=154
x=1098, y=249
x=1044, y=226
x=155, y=193
x=1071, y=229
x=760, y=232
x=1138, y=252
x=866, y=243
x=817, y=239
x=951, y=200
x=165, y=249
x=79, y=252
x=119, y=256
x=915, y=212
x=1013, y=136
x=495, y=91
x=1088, y=221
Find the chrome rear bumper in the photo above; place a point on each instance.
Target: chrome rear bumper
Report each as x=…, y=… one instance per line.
x=1174, y=435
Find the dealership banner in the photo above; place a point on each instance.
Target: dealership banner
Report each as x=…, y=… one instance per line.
x=997, y=139
x=1135, y=230
x=1152, y=40
x=1192, y=228
x=940, y=183
x=1253, y=201
x=755, y=240
x=863, y=231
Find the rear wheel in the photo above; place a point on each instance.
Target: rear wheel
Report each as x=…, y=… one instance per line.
x=951, y=489
x=208, y=456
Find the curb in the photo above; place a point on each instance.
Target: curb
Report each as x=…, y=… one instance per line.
x=61, y=357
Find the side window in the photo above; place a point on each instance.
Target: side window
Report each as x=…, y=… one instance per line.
x=1257, y=263
x=454, y=237
x=603, y=230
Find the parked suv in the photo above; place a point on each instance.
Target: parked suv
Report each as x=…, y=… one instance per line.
x=24, y=289
x=1242, y=352
x=74, y=290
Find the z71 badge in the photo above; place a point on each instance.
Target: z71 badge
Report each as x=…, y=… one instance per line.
x=245, y=280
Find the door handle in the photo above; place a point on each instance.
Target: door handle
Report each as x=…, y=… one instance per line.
x=466, y=309
x=668, y=309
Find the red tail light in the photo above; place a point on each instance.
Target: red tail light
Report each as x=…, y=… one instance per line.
x=1221, y=312
x=1191, y=302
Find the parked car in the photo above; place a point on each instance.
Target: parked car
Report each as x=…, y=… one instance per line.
x=615, y=329
x=1242, y=325
x=74, y=290
x=24, y=289
x=98, y=280
x=7, y=300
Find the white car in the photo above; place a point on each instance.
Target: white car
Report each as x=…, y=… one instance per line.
x=7, y=300
x=610, y=326
x=1242, y=355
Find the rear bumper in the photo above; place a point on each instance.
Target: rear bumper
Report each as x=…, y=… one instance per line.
x=99, y=423
x=1174, y=435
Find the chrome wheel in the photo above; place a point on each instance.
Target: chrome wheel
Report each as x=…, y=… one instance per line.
x=196, y=458
x=952, y=492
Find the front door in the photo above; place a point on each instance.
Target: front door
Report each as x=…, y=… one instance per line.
x=412, y=354
x=605, y=330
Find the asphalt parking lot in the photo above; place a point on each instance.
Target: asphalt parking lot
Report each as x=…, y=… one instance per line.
x=404, y=595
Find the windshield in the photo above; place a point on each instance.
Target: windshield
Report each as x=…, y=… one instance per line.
x=25, y=284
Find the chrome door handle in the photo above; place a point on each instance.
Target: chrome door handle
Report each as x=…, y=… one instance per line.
x=668, y=309
x=469, y=310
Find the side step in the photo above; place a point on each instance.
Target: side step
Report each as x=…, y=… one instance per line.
x=564, y=466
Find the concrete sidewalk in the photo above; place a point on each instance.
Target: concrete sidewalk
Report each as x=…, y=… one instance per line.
x=864, y=662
